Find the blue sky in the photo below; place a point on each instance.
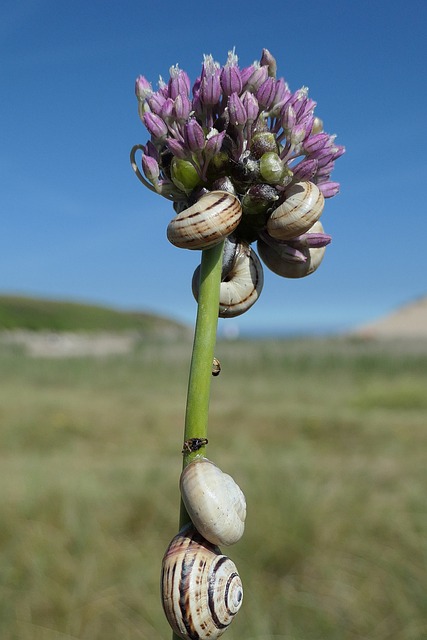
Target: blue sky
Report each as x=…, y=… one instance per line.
x=77, y=224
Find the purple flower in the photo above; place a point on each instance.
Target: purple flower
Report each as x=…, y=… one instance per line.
x=194, y=137
x=268, y=61
x=230, y=76
x=210, y=85
x=182, y=107
x=155, y=125
x=236, y=111
x=266, y=93
x=143, y=88
x=151, y=168
x=229, y=128
x=179, y=82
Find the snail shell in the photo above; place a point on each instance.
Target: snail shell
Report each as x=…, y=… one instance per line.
x=201, y=589
x=214, y=502
x=275, y=258
x=241, y=286
x=301, y=209
x=212, y=218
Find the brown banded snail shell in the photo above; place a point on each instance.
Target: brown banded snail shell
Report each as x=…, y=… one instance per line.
x=241, y=286
x=211, y=219
x=274, y=256
x=201, y=588
x=214, y=502
x=301, y=209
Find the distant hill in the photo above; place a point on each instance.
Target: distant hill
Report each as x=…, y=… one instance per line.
x=36, y=314
x=408, y=321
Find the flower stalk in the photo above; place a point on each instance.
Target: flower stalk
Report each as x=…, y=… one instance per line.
x=199, y=383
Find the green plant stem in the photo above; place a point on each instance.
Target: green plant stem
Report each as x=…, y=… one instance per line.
x=199, y=384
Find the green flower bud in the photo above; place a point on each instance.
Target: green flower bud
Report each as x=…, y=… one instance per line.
x=258, y=199
x=219, y=162
x=272, y=168
x=184, y=175
x=263, y=143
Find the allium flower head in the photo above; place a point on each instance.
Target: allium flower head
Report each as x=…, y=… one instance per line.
x=240, y=130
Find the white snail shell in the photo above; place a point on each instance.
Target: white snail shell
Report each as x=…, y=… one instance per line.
x=241, y=286
x=201, y=589
x=214, y=502
x=211, y=219
x=274, y=257
x=301, y=209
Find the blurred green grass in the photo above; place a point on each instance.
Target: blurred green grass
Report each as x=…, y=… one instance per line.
x=326, y=437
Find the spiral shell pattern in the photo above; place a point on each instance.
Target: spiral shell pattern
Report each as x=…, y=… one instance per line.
x=301, y=209
x=274, y=256
x=201, y=588
x=241, y=286
x=214, y=502
x=211, y=219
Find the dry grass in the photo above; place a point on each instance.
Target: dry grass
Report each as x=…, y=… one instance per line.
x=327, y=439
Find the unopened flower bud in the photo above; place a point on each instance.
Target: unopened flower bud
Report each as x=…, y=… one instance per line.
x=177, y=148
x=316, y=142
x=329, y=189
x=143, y=89
x=151, y=168
x=297, y=134
x=256, y=78
x=288, y=117
x=213, y=143
x=194, y=136
x=317, y=125
x=210, y=86
x=251, y=106
x=314, y=240
x=230, y=77
x=167, y=109
x=282, y=95
x=224, y=184
x=156, y=102
x=182, y=107
x=263, y=143
x=266, y=93
x=267, y=60
x=271, y=168
x=179, y=82
x=155, y=125
x=184, y=175
x=219, y=162
x=236, y=110
x=259, y=198
x=305, y=170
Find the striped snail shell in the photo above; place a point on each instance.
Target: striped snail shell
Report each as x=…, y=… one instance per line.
x=301, y=209
x=240, y=286
x=214, y=502
x=274, y=256
x=201, y=589
x=212, y=218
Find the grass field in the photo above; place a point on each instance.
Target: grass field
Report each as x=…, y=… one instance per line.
x=327, y=438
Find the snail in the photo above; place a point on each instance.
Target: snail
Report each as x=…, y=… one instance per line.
x=241, y=284
x=211, y=219
x=275, y=256
x=216, y=367
x=214, y=502
x=201, y=589
x=301, y=209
